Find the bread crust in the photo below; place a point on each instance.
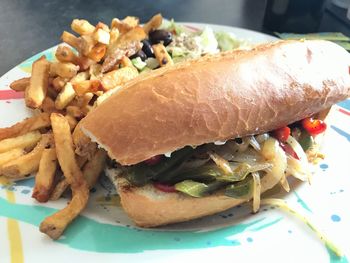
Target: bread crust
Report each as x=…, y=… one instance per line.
x=218, y=97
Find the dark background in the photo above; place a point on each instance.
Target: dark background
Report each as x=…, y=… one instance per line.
x=27, y=27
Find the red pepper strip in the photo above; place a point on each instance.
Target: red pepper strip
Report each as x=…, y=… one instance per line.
x=154, y=160
x=164, y=187
x=313, y=126
x=289, y=150
x=281, y=134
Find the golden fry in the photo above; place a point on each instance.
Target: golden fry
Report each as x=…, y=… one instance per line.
x=94, y=167
x=86, y=86
x=58, y=190
x=125, y=25
x=82, y=27
x=85, y=62
x=44, y=179
x=28, y=163
x=10, y=155
x=20, y=84
x=27, y=140
x=35, y=93
x=71, y=40
x=81, y=76
x=27, y=125
x=105, y=95
x=65, y=54
x=97, y=52
x=83, y=145
x=118, y=77
x=65, y=96
x=58, y=83
x=55, y=224
x=162, y=55
x=95, y=71
x=87, y=43
x=153, y=23
x=101, y=36
x=63, y=69
x=62, y=186
x=48, y=106
x=75, y=111
x=72, y=121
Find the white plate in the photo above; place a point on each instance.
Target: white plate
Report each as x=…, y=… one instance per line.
x=104, y=233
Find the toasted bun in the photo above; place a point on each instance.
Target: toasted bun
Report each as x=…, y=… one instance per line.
x=218, y=97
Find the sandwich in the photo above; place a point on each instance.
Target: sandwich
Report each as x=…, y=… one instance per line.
x=202, y=136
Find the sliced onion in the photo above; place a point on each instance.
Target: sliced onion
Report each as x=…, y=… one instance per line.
x=223, y=164
x=301, y=154
x=297, y=169
x=195, y=163
x=254, y=143
x=256, y=192
x=284, y=183
x=249, y=156
x=274, y=154
x=262, y=137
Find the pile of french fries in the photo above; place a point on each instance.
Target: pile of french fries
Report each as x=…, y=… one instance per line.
x=51, y=145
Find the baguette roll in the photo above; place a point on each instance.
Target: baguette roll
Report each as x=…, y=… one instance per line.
x=219, y=97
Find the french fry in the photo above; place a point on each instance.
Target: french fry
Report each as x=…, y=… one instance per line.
x=84, y=100
x=10, y=155
x=59, y=189
x=118, y=77
x=48, y=106
x=94, y=167
x=81, y=76
x=51, y=93
x=44, y=179
x=83, y=145
x=27, y=125
x=135, y=34
x=58, y=83
x=82, y=27
x=55, y=224
x=153, y=23
x=71, y=40
x=113, y=35
x=63, y=69
x=28, y=163
x=162, y=55
x=101, y=36
x=105, y=96
x=65, y=96
x=39, y=81
x=102, y=26
x=20, y=84
x=86, y=86
x=66, y=54
x=27, y=140
x=95, y=71
x=75, y=111
x=71, y=121
x=97, y=52
x=126, y=24
x=87, y=43
x=84, y=62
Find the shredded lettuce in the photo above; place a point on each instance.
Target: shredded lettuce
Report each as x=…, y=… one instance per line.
x=208, y=42
x=170, y=25
x=227, y=41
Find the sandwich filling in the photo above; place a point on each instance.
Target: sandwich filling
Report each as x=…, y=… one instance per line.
x=237, y=168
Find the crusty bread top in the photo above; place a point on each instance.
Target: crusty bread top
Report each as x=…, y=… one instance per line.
x=218, y=97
